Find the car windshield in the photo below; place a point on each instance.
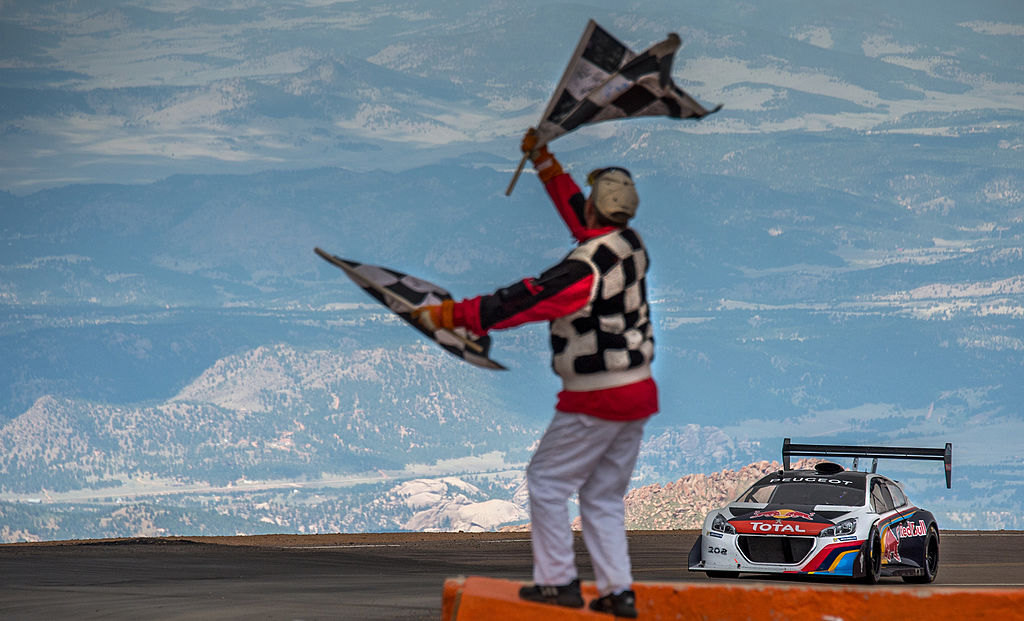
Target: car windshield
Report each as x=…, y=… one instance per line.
x=805, y=491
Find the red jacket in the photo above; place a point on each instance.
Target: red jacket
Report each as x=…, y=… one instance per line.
x=559, y=291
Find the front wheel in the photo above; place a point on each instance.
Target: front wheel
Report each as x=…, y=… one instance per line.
x=930, y=564
x=872, y=557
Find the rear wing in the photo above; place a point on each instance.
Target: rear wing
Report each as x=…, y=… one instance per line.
x=945, y=455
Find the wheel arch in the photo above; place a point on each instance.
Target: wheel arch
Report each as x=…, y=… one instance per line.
x=864, y=556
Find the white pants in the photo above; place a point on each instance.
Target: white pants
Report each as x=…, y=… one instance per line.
x=595, y=457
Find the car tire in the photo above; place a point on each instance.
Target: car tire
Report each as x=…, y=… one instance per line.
x=931, y=559
x=722, y=574
x=873, y=557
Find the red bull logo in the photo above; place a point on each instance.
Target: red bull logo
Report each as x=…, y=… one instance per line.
x=782, y=514
x=909, y=529
x=891, y=547
x=892, y=536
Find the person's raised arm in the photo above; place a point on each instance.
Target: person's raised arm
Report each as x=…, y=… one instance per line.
x=564, y=192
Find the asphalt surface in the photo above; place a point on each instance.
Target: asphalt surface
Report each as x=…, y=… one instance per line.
x=371, y=577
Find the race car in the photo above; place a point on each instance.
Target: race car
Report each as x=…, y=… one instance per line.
x=828, y=521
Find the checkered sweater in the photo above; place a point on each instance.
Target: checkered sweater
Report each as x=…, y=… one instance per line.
x=596, y=302
x=609, y=341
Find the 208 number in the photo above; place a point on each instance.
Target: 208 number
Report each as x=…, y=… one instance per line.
x=714, y=550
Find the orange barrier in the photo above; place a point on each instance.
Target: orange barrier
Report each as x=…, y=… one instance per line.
x=483, y=599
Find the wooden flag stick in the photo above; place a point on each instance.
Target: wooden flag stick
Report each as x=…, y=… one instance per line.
x=515, y=177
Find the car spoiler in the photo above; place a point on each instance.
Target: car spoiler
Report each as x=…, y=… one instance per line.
x=875, y=453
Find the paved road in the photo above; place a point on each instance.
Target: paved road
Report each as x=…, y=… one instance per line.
x=372, y=577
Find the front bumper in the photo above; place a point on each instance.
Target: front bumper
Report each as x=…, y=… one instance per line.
x=776, y=554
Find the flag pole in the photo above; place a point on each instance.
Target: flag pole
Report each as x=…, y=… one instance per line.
x=580, y=46
x=515, y=178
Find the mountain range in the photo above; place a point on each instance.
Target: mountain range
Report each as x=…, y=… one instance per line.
x=837, y=254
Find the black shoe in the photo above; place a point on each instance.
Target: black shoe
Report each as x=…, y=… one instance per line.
x=561, y=595
x=622, y=604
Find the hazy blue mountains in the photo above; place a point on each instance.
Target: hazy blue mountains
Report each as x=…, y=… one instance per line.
x=837, y=255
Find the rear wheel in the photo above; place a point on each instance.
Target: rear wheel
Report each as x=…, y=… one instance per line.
x=930, y=562
x=723, y=574
x=873, y=557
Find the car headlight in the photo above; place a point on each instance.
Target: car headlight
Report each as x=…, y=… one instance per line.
x=846, y=527
x=722, y=525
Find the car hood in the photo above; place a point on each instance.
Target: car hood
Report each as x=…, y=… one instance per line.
x=779, y=519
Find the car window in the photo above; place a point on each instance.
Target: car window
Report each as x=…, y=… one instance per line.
x=881, y=499
x=758, y=493
x=816, y=494
x=898, y=498
x=805, y=493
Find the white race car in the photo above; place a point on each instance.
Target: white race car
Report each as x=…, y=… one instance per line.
x=826, y=521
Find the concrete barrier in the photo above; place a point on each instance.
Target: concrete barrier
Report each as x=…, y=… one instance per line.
x=476, y=598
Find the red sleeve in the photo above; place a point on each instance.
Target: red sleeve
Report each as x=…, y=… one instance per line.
x=569, y=201
x=559, y=291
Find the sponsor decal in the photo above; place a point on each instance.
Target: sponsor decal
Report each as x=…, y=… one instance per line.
x=909, y=529
x=780, y=522
x=891, y=547
x=848, y=538
x=810, y=480
x=894, y=534
x=779, y=527
x=782, y=514
x=715, y=534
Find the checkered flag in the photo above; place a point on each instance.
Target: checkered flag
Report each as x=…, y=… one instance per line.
x=402, y=294
x=605, y=80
